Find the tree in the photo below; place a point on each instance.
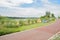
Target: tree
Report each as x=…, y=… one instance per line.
x=32, y=21
x=28, y=21
x=21, y=22
x=52, y=15
x=58, y=17
x=1, y=17
x=35, y=20
x=47, y=14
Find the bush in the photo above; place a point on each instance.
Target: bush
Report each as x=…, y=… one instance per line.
x=32, y=21
x=21, y=23
x=29, y=21
x=35, y=20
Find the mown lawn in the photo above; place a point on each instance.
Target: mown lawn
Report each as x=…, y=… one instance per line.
x=4, y=30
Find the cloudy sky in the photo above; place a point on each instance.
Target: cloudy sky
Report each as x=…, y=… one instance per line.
x=29, y=7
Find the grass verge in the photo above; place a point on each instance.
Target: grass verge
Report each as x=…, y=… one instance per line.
x=4, y=30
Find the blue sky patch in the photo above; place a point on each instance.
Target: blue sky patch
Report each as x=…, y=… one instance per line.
x=55, y=1
x=36, y=3
x=29, y=7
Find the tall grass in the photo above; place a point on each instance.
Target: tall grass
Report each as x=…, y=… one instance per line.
x=7, y=30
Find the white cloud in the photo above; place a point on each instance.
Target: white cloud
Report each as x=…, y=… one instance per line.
x=49, y=6
x=45, y=1
x=21, y=1
x=9, y=3
x=18, y=11
x=24, y=12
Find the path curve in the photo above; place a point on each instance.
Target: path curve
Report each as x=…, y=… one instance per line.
x=43, y=33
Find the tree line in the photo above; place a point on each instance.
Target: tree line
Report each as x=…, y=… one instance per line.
x=11, y=22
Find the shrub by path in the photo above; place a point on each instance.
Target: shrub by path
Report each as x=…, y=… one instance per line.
x=43, y=33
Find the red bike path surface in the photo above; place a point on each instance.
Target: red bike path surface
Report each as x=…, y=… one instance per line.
x=42, y=33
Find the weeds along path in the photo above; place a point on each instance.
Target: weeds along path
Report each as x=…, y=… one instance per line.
x=43, y=33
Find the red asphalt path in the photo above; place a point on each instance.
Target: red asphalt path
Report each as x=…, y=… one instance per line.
x=43, y=33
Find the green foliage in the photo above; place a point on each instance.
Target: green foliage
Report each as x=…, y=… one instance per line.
x=8, y=25
x=22, y=23
x=55, y=37
x=53, y=16
x=48, y=17
x=32, y=21
x=47, y=14
x=29, y=21
x=35, y=20
x=5, y=30
x=59, y=17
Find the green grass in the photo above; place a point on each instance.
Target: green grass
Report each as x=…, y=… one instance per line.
x=55, y=37
x=4, y=30
x=34, y=26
